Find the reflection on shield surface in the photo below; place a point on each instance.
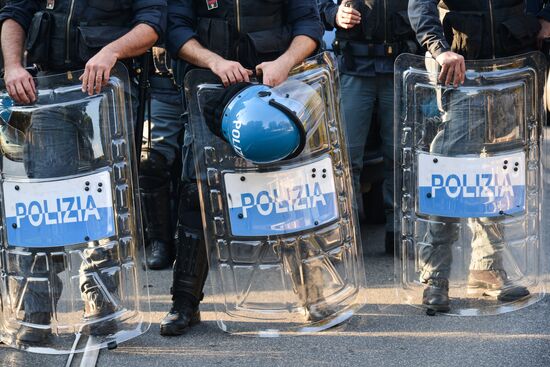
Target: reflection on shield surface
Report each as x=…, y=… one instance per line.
x=468, y=185
x=282, y=240
x=71, y=232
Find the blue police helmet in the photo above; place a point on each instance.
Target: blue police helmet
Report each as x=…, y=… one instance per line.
x=263, y=126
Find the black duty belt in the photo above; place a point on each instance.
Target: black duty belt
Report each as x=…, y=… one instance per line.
x=162, y=82
x=360, y=49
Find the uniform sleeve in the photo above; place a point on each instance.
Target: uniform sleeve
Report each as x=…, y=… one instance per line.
x=425, y=22
x=327, y=11
x=21, y=11
x=303, y=16
x=153, y=13
x=181, y=24
x=544, y=12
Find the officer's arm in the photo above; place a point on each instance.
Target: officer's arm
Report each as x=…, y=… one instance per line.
x=307, y=32
x=327, y=11
x=16, y=18
x=98, y=68
x=230, y=72
x=544, y=19
x=276, y=72
x=19, y=82
x=182, y=41
x=343, y=16
x=424, y=18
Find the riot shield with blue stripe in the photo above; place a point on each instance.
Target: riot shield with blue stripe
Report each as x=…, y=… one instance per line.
x=468, y=185
x=71, y=229
x=276, y=196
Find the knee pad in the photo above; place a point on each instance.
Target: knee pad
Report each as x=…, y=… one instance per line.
x=154, y=170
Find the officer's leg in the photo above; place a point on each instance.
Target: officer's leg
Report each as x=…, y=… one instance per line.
x=99, y=277
x=435, y=252
x=49, y=152
x=487, y=274
x=155, y=176
x=191, y=265
x=435, y=256
x=386, y=106
x=307, y=278
x=357, y=103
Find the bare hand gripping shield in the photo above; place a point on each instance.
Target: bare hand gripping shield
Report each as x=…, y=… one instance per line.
x=71, y=231
x=282, y=241
x=468, y=185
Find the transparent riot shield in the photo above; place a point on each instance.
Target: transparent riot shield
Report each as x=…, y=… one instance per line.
x=282, y=238
x=468, y=185
x=71, y=275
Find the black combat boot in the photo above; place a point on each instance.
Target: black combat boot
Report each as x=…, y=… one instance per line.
x=183, y=314
x=155, y=197
x=495, y=283
x=32, y=334
x=436, y=295
x=190, y=267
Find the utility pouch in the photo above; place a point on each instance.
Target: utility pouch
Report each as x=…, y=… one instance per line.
x=265, y=45
x=37, y=43
x=214, y=34
x=91, y=39
x=518, y=33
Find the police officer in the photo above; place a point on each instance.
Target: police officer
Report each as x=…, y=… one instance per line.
x=233, y=39
x=369, y=35
x=452, y=30
x=59, y=36
x=157, y=160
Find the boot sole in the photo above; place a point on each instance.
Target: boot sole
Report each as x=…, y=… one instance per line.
x=432, y=309
x=170, y=330
x=497, y=294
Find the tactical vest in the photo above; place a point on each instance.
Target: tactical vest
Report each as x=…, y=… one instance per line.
x=384, y=31
x=65, y=34
x=250, y=31
x=480, y=29
x=382, y=21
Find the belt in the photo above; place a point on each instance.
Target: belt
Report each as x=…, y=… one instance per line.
x=360, y=49
x=162, y=82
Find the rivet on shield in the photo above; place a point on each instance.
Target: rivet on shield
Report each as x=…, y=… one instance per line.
x=435, y=160
x=243, y=178
x=16, y=188
x=324, y=176
x=505, y=162
x=316, y=223
x=87, y=189
x=515, y=169
x=429, y=195
x=505, y=167
x=86, y=238
x=100, y=184
x=313, y=170
x=240, y=215
x=99, y=190
x=14, y=225
x=501, y=212
x=313, y=175
x=516, y=164
x=87, y=183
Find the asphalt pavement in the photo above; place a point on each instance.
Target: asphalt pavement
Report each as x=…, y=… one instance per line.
x=383, y=333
